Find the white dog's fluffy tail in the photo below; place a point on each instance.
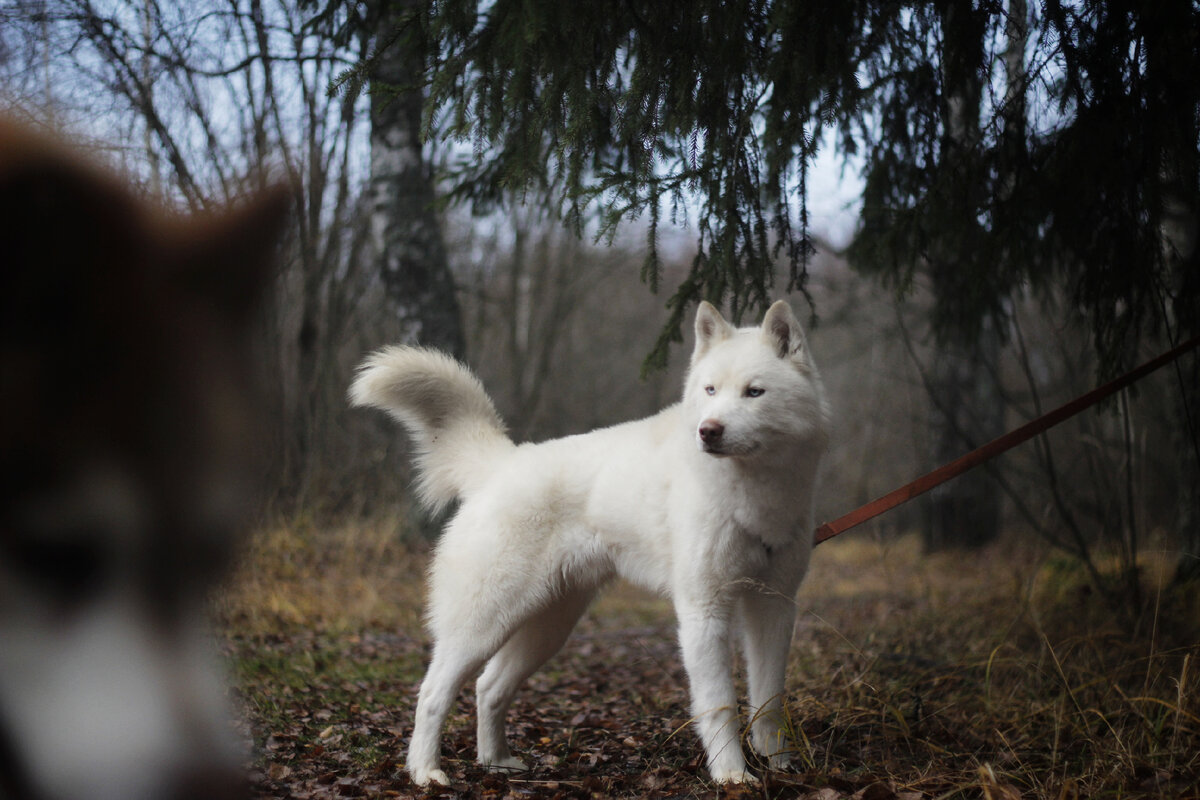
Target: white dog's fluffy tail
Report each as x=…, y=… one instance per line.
x=456, y=430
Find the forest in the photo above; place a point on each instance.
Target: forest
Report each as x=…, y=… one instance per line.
x=547, y=191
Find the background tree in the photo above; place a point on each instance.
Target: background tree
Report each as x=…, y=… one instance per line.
x=406, y=232
x=1058, y=190
x=193, y=98
x=1014, y=215
x=999, y=151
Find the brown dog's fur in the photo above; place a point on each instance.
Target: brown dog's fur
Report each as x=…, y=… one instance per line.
x=128, y=421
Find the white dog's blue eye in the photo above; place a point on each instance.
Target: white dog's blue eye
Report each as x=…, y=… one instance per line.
x=754, y=391
x=710, y=390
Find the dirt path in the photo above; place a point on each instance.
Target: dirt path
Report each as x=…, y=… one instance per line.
x=958, y=676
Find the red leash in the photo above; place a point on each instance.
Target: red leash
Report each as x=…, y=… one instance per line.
x=994, y=447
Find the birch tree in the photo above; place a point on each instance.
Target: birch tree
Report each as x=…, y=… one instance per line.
x=406, y=233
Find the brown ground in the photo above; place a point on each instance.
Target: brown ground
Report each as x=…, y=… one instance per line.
x=994, y=675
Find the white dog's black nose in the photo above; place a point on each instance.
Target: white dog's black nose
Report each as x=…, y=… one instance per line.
x=711, y=431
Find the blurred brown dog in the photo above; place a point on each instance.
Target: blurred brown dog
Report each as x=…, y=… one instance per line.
x=127, y=468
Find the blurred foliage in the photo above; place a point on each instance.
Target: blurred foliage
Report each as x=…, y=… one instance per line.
x=1074, y=164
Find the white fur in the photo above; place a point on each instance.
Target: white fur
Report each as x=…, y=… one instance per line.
x=108, y=708
x=104, y=698
x=724, y=527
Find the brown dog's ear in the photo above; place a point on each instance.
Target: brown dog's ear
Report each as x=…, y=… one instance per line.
x=70, y=248
x=781, y=329
x=227, y=260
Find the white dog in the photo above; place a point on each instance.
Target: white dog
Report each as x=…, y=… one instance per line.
x=709, y=502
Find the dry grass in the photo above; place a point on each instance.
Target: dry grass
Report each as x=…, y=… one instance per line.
x=301, y=575
x=994, y=674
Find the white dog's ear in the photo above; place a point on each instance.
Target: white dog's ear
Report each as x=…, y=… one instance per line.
x=783, y=332
x=711, y=328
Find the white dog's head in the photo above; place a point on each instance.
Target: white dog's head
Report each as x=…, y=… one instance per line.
x=754, y=392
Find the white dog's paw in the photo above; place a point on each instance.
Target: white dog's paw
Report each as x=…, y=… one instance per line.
x=424, y=777
x=508, y=764
x=736, y=775
x=780, y=762
x=775, y=746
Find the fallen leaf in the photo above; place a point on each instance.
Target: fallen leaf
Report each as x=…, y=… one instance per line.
x=826, y=793
x=878, y=791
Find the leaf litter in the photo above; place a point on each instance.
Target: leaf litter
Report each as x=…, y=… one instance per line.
x=911, y=678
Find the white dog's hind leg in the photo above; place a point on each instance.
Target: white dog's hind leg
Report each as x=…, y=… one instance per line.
x=767, y=622
x=453, y=663
x=539, y=638
x=708, y=659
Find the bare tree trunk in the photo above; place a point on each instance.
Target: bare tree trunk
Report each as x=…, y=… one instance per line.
x=1167, y=46
x=405, y=229
x=1187, y=444
x=967, y=408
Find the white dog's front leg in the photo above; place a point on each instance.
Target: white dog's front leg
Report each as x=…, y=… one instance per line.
x=704, y=640
x=767, y=622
